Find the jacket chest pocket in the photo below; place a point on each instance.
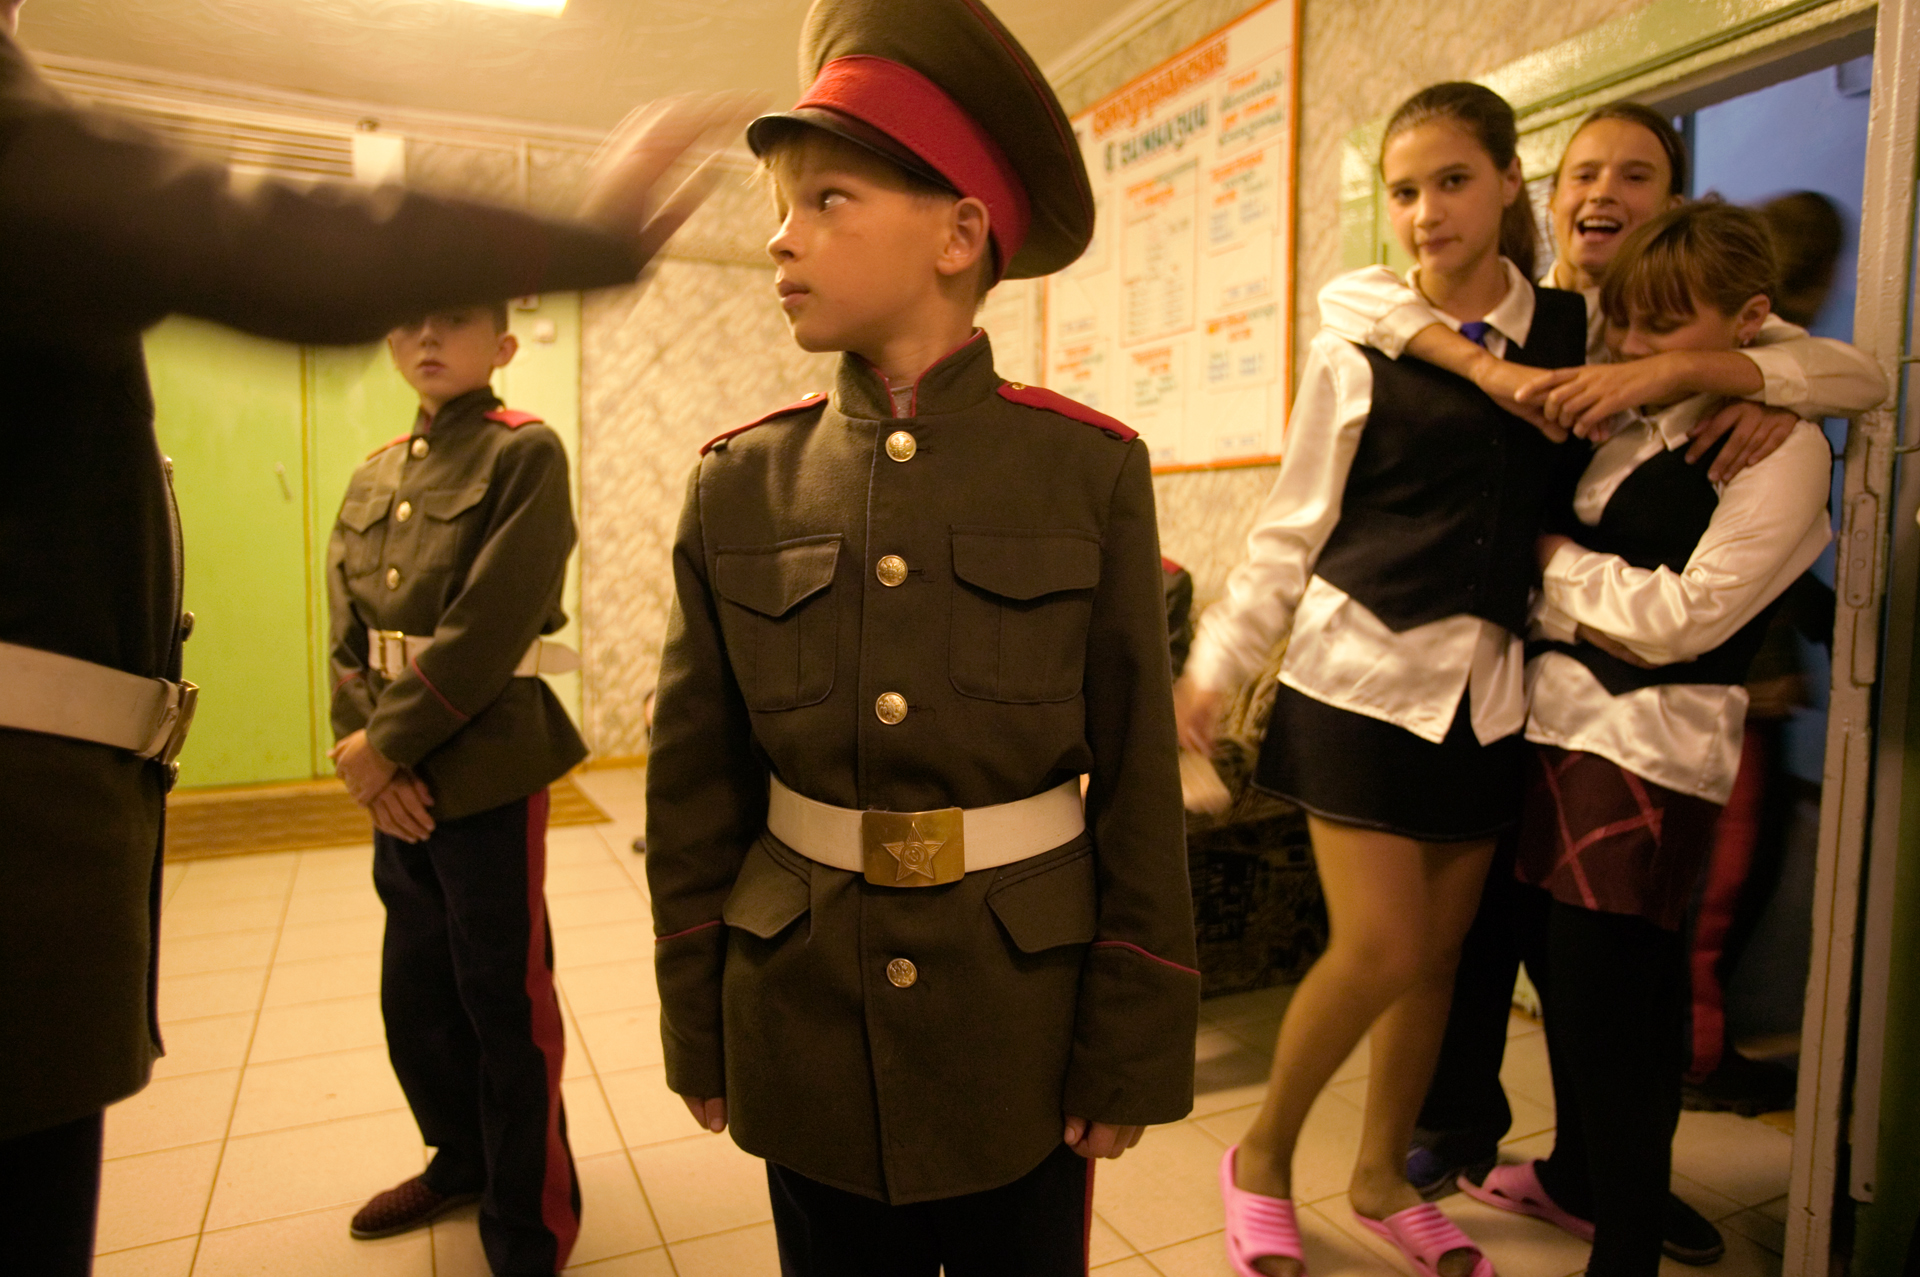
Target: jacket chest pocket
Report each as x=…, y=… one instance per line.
x=445, y=519
x=1021, y=610
x=777, y=614
x=363, y=531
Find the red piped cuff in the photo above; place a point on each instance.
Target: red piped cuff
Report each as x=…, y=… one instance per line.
x=1153, y=957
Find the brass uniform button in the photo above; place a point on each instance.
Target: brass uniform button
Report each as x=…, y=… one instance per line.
x=901, y=446
x=166, y=466
x=393, y=578
x=419, y=448
x=186, y=626
x=891, y=707
x=405, y=511
x=1014, y=385
x=902, y=973
x=891, y=570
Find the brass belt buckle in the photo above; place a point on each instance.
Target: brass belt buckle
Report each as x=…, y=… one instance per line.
x=913, y=848
x=391, y=657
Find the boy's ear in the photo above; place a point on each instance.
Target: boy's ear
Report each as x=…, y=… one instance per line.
x=1746, y=325
x=969, y=233
x=503, y=353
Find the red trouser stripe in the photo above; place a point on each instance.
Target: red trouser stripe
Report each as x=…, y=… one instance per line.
x=1086, y=1224
x=1734, y=842
x=556, y=1190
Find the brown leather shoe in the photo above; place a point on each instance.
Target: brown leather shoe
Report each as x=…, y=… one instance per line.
x=403, y=1208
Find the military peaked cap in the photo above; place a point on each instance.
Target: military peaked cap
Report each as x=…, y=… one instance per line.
x=941, y=88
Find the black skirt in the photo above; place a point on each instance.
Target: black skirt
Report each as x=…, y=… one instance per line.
x=1355, y=770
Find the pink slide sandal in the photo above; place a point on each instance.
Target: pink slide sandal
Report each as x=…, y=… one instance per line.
x=1424, y=1235
x=1517, y=1188
x=1258, y=1227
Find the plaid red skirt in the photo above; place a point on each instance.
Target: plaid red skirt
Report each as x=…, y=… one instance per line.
x=1599, y=837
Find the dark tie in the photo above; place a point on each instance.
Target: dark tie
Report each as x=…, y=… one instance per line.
x=1476, y=331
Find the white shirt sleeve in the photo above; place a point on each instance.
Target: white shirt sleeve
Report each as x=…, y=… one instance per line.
x=1769, y=527
x=1237, y=634
x=1814, y=377
x=1374, y=307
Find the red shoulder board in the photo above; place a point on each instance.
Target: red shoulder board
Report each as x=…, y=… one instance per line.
x=1049, y=401
x=513, y=420
x=812, y=400
x=1169, y=566
x=388, y=444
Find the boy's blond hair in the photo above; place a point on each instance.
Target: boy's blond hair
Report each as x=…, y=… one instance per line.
x=1707, y=252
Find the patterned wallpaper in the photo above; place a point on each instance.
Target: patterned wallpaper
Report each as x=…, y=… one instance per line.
x=698, y=349
x=1359, y=59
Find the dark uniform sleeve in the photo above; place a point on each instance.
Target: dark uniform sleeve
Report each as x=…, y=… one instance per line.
x=508, y=594
x=347, y=646
x=1140, y=992
x=706, y=803
x=102, y=226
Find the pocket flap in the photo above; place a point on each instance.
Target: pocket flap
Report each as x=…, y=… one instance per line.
x=450, y=503
x=774, y=581
x=766, y=897
x=1018, y=564
x=1050, y=907
x=361, y=513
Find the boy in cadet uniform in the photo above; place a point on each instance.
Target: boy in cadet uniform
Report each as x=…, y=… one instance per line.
x=896, y=953
x=444, y=570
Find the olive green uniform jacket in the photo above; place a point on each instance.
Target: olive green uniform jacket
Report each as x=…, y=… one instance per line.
x=458, y=532
x=103, y=233
x=1029, y=640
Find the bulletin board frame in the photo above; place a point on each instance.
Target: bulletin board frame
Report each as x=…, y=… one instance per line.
x=1179, y=318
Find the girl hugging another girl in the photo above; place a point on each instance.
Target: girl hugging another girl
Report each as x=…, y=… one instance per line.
x=1656, y=593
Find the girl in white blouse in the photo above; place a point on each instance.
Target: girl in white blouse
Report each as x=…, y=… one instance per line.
x=1653, y=608
x=1394, y=557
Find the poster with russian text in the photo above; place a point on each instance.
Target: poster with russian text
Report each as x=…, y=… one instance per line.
x=1179, y=319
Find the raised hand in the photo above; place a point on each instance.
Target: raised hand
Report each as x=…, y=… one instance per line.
x=657, y=167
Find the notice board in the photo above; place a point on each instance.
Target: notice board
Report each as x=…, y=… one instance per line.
x=1178, y=319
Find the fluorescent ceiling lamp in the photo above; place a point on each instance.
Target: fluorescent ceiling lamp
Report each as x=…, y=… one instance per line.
x=552, y=7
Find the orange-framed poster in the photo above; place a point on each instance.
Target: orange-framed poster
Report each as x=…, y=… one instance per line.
x=1178, y=319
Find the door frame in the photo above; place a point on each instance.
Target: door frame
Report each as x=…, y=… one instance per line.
x=1680, y=53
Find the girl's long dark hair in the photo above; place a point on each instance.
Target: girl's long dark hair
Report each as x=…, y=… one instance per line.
x=1486, y=116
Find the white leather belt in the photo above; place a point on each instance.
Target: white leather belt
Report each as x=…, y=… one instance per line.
x=389, y=651
x=924, y=848
x=65, y=696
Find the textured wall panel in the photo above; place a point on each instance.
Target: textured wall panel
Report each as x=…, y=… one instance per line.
x=699, y=349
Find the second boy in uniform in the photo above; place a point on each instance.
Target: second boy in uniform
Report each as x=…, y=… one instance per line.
x=445, y=569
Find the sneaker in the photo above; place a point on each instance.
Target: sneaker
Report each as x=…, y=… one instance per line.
x=403, y=1208
x=1688, y=1237
x=1434, y=1176
x=1741, y=1085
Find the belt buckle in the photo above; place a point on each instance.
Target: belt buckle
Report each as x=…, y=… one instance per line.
x=390, y=658
x=913, y=848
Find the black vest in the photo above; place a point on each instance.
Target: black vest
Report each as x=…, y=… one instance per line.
x=1448, y=492
x=1656, y=518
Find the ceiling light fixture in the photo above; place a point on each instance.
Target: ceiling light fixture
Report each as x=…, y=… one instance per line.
x=552, y=8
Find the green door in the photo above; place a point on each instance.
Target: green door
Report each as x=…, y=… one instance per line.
x=229, y=414
x=355, y=403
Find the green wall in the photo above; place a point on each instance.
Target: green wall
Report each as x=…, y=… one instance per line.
x=264, y=437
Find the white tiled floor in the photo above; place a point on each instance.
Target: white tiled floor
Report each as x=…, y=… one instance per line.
x=275, y=1114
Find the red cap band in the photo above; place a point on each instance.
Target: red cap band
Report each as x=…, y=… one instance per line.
x=916, y=113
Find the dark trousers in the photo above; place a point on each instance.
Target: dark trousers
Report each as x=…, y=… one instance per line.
x=49, y=1198
x=473, y=1025
x=1036, y=1226
x=1614, y=1013
x=1465, y=1114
